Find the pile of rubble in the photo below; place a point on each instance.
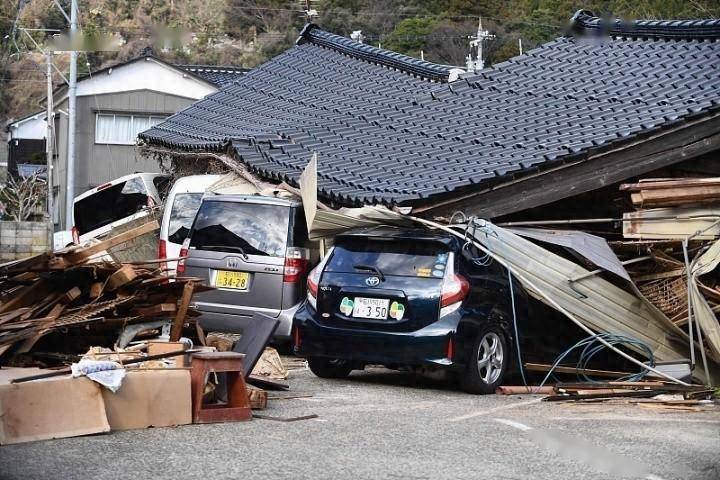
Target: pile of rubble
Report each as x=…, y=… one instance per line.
x=68, y=301
x=111, y=330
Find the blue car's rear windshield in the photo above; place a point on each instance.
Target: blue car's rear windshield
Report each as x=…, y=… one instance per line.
x=415, y=259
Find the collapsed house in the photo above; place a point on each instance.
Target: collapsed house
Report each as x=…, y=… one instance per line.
x=543, y=139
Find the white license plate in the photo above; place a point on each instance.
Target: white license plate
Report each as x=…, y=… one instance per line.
x=375, y=308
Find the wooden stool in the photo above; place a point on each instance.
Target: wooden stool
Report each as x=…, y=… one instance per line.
x=238, y=405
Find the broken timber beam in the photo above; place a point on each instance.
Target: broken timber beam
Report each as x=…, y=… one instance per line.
x=177, y=325
x=84, y=253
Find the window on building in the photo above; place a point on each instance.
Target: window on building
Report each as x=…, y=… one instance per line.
x=122, y=129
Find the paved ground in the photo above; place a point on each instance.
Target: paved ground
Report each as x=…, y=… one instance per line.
x=382, y=424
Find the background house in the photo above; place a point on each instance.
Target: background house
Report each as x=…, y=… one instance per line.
x=26, y=144
x=115, y=104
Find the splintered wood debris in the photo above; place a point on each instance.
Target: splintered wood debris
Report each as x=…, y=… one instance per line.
x=65, y=302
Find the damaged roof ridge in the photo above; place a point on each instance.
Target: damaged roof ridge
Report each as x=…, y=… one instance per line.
x=432, y=71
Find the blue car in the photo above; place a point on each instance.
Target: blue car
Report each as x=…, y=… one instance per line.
x=408, y=299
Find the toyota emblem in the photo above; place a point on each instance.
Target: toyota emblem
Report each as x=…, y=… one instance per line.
x=372, y=281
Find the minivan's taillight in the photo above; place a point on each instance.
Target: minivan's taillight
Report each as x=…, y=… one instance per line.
x=75, y=235
x=162, y=253
x=296, y=263
x=183, y=253
x=454, y=290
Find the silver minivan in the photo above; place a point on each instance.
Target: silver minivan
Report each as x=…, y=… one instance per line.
x=255, y=251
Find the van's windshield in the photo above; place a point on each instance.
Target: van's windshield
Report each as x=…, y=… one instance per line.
x=237, y=227
x=110, y=205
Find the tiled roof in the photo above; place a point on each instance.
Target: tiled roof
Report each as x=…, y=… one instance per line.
x=383, y=135
x=217, y=75
x=311, y=85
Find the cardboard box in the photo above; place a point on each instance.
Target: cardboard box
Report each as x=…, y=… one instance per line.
x=150, y=398
x=51, y=408
x=155, y=348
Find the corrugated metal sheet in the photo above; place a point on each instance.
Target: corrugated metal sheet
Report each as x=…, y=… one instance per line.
x=704, y=315
x=599, y=304
x=592, y=247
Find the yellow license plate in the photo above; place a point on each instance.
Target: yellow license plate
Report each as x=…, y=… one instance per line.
x=235, y=280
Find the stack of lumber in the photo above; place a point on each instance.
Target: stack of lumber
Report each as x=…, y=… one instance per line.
x=673, y=209
x=668, y=212
x=62, y=303
x=600, y=391
x=673, y=192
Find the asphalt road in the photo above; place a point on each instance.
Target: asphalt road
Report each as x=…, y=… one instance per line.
x=388, y=425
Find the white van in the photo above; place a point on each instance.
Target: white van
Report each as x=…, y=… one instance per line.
x=181, y=205
x=122, y=200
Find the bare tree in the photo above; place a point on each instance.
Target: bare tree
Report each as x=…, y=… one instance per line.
x=20, y=197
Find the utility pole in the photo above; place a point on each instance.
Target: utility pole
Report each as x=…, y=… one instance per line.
x=477, y=43
x=49, y=137
x=310, y=13
x=72, y=90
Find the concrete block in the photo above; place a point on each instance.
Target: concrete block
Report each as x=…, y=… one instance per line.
x=22, y=240
x=40, y=239
x=23, y=249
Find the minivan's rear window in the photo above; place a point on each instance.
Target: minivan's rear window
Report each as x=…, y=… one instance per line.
x=417, y=259
x=250, y=228
x=182, y=214
x=110, y=205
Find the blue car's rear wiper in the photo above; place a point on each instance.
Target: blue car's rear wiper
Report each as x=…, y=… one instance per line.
x=370, y=268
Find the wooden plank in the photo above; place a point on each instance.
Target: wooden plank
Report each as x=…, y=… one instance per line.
x=27, y=297
x=96, y=289
x=629, y=385
x=132, y=361
x=659, y=276
x=284, y=419
x=159, y=310
x=70, y=295
x=671, y=223
x=177, y=325
x=41, y=306
x=122, y=276
x=662, y=183
x=83, y=254
x=258, y=398
x=596, y=396
x=56, y=311
x=14, y=315
x=54, y=314
x=675, y=196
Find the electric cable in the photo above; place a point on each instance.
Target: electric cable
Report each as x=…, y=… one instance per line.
x=594, y=344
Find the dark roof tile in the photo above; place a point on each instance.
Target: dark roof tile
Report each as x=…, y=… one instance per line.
x=386, y=131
